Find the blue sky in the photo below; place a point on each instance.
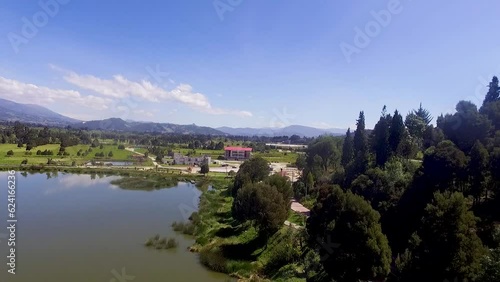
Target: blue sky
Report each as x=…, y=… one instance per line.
x=245, y=63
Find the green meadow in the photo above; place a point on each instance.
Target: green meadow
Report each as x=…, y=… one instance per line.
x=20, y=154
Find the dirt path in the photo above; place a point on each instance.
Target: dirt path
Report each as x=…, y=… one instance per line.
x=151, y=157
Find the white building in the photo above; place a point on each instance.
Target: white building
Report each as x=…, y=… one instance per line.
x=180, y=159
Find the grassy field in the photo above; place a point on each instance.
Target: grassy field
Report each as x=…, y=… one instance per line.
x=20, y=154
x=278, y=157
x=297, y=218
x=200, y=152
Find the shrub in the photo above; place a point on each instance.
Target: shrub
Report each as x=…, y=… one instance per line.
x=171, y=243
x=10, y=153
x=121, y=147
x=163, y=243
x=187, y=228
x=213, y=258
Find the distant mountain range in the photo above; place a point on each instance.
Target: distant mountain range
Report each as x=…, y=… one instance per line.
x=299, y=130
x=28, y=113
x=119, y=124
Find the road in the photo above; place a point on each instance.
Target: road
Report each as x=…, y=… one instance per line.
x=299, y=208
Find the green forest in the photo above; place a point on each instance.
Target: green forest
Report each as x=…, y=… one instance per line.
x=396, y=213
x=406, y=201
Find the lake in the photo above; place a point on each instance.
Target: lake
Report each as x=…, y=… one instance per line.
x=81, y=228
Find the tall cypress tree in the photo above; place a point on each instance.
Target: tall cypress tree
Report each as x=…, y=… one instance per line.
x=360, y=147
x=380, y=137
x=347, y=149
x=396, y=132
x=477, y=169
x=493, y=92
x=360, y=140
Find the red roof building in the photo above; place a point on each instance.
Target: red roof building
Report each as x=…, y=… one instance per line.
x=237, y=153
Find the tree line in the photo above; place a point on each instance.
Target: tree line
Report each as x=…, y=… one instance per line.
x=407, y=201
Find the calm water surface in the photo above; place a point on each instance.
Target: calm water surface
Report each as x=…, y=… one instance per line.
x=81, y=228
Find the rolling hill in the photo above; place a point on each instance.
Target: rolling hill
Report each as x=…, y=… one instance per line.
x=299, y=130
x=34, y=114
x=29, y=113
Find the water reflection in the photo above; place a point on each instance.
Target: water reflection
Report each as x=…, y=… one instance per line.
x=73, y=181
x=92, y=231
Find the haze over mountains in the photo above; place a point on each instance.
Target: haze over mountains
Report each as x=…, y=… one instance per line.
x=29, y=113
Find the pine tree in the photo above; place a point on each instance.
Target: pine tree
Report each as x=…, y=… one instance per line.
x=360, y=140
x=361, y=160
x=347, y=232
x=347, y=149
x=423, y=114
x=450, y=247
x=493, y=92
x=477, y=169
x=397, y=130
x=380, y=139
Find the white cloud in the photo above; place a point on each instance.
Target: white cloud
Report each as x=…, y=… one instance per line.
x=143, y=113
x=30, y=93
x=120, y=87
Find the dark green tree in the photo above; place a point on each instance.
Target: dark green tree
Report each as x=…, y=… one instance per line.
x=450, y=248
x=380, y=139
x=281, y=183
x=301, y=162
x=262, y=204
x=360, y=141
x=495, y=171
x=492, y=111
x=432, y=136
x=423, y=114
x=219, y=146
x=397, y=130
x=347, y=149
x=251, y=171
x=322, y=154
x=465, y=126
x=309, y=183
x=204, y=168
x=444, y=166
x=346, y=231
x=361, y=154
x=95, y=143
x=416, y=125
x=493, y=92
x=477, y=169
